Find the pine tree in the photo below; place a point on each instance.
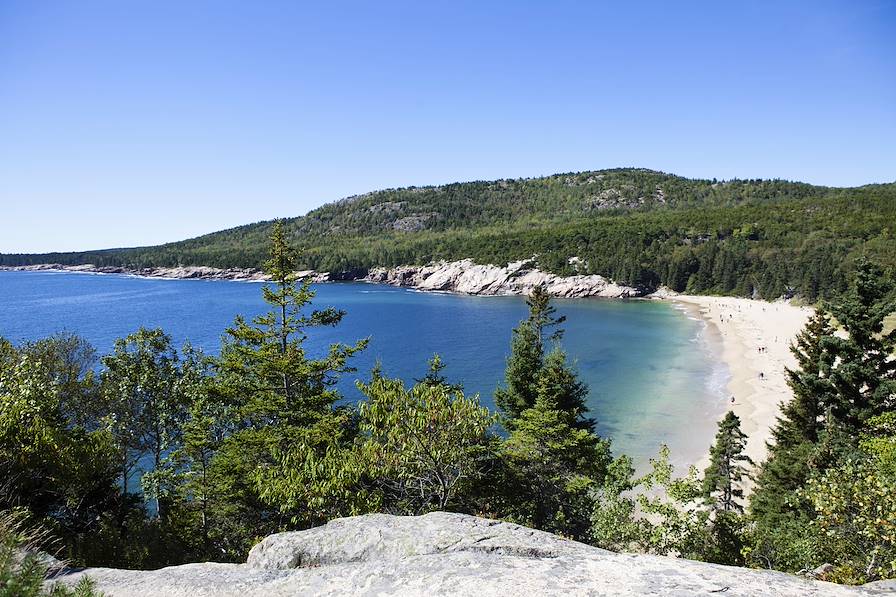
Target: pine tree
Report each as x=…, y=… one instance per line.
x=527, y=356
x=560, y=383
x=863, y=372
x=278, y=467
x=553, y=469
x=265, y=363
x=797, y=431
x=722, y=482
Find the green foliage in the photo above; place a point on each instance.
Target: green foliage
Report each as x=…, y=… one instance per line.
x=423, y=448
x=264, y=363
x=528, y=368
x=723, y=479
x=51, y=465
x=25, y=567
x=823, y=495
x=285, y=461
x=636, y=226
x=863, y=374
x=147, y=393
x=855, y=506
x=553, y=467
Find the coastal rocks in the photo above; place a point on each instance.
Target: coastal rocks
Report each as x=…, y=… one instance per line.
x=192, y=272
x=446, y=554
x=518, y=277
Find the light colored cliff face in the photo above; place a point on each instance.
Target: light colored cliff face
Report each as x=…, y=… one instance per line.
x=516, y=278
x=465, y=277
x=188, y=272
x=448, y=554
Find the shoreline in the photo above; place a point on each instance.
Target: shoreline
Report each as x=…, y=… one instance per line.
x=736, y=327
x=757, y=380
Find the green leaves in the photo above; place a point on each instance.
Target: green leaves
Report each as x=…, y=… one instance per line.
x=420, y=446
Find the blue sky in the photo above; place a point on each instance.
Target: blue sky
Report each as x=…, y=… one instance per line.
x=128, y=123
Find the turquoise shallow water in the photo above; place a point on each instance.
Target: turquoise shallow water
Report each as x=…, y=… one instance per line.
x=648, y=364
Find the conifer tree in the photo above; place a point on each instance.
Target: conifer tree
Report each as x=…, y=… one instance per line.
x=863, y=372
x=722, y=481
x=279, y=467
x=265, y=362
x=797, y=430
x=527, y=356
x=554, y=468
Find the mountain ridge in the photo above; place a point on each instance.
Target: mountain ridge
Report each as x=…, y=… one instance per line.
x=636, y=226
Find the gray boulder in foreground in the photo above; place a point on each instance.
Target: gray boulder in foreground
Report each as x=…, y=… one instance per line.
x=447, y=554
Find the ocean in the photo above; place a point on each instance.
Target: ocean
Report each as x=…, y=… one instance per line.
x=650, y=365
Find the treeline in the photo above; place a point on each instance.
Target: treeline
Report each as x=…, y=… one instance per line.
x=638, y=227
x=163, y=456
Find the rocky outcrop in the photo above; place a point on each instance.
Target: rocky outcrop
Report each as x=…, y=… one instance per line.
x=192, y=272
x=519, y=277
x=447, y=554
x=465, y=277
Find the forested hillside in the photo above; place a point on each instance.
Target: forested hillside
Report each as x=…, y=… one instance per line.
x=636, y=226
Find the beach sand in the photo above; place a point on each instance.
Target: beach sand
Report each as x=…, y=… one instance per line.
x=758, y=379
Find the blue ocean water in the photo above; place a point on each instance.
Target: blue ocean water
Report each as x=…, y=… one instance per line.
x=648, y=364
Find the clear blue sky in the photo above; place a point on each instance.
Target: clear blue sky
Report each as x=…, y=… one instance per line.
x=126, y=123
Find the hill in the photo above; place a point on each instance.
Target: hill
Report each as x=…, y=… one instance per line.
x=638, y=227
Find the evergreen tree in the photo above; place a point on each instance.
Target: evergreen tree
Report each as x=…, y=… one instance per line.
x=863, y=372
x=722, y=481
x=279, y=466
x=434, y=376
x=265, y=363
x=554, y=468
x=798, y=427
x=560, y=382
x=527, y=359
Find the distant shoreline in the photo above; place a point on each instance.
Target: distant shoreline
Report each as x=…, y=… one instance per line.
x=461, y=277
x=740, y=326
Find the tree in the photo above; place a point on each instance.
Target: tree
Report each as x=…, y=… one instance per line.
x=553, y=468
x=863, y=372
x=147, y=404
x=527, y=361
x=209, y=422
x=723, y=479
x=277, y=467
x=798, y=428
x=58, y=472
x=843, y=380
x=434, y=375
x=422, y=446
x=265, y=363
x=526, y=356
x=855, y=504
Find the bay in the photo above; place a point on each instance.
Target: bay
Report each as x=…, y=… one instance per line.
x=650, y=367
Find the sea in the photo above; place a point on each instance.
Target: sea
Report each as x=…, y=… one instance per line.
x=651, y=366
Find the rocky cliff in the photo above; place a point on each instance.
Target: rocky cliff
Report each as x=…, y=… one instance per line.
x=465, y=277
x=519, y=277
x=448, y=554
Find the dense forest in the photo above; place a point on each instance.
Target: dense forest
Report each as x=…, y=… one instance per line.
x=764, y=238
x=157, y=455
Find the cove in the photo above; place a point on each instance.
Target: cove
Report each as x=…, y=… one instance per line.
x=650, y=366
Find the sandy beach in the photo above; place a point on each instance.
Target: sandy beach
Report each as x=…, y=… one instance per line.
x=758, y=380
